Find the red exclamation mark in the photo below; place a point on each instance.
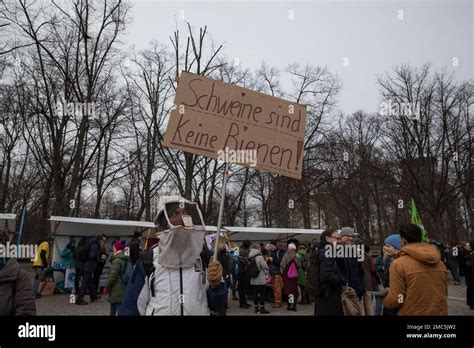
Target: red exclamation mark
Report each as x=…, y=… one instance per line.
x=299, y=151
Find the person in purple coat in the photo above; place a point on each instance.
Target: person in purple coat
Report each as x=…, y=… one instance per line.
x=290, y=284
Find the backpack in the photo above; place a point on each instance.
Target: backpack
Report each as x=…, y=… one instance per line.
x=292, y=271
x=126, y=274
x=83, y=253
x=147, y=259
x=252, y=268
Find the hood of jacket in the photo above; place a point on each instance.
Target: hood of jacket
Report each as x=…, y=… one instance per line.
x=422, y=252
x=302, y=252
x=254, y=252
x=121, y=255
x=9, y=273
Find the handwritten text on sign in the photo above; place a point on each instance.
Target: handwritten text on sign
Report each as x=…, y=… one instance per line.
x=212, y=115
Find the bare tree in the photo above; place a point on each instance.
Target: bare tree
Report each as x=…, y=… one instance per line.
x=195, y=59
x=418, y=139
x=151, y=90
x=69, y=63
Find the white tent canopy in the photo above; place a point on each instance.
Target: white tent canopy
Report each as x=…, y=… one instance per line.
x=73, y=226
x=8, y=222
x=65, y=228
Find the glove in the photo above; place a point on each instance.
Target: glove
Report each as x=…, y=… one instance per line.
x=214, y=273
x=381, y=293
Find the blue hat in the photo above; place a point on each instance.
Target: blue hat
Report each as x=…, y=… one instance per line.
x=393, y=240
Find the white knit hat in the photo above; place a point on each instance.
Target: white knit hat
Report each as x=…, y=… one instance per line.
x=291, y=246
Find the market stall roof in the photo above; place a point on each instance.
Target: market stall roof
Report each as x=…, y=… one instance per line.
x=4, y=216
x=270, y=233
x=8, y=222
x=74, y=226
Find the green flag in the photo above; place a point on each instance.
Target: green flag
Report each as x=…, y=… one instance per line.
x=415, y=219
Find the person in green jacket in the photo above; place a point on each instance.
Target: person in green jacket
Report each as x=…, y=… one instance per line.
x=301, y=254
x=115, y=284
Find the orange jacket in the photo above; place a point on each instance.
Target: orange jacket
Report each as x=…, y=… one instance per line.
x=418, y=281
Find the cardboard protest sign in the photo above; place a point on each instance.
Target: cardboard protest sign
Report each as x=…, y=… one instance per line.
x=237, y=125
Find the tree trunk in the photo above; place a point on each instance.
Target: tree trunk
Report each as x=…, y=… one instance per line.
x=78, y=161
x=6, y=182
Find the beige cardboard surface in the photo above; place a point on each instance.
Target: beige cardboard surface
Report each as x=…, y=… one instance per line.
x=212, y=115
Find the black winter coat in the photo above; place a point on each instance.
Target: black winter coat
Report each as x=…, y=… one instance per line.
x=328, y=301
x=134, y=250
x=466, y=263
x=94, y=251
x=274, y=265
x=243, y=259
x=353, y=271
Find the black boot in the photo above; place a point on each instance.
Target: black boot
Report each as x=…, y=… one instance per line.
x=263, y=310
x=289, y=307
x=257, y=310
x=294, y=307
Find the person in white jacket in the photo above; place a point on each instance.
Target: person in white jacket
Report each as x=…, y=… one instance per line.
x=257, y=284
x=180, y=283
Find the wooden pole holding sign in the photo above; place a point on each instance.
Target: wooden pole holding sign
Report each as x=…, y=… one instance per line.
x=221, y=210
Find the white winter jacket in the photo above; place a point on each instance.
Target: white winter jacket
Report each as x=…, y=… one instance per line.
x=177, y=291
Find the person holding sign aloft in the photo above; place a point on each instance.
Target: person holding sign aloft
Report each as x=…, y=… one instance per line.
x=183, y=281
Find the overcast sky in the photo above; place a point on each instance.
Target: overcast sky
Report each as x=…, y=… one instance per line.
x=375, y=36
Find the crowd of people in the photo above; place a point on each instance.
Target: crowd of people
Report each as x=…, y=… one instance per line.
x=272, y=267
x=88, y=259
x=179, y=276
x=397, y=281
